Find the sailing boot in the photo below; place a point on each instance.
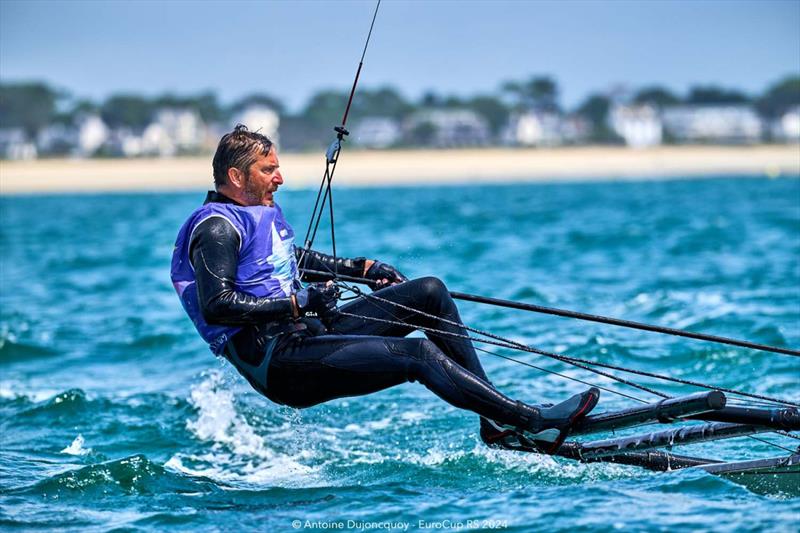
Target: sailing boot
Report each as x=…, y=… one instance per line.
x=497, y=435
x=548, y=427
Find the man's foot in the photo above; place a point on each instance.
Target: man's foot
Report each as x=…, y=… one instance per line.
x=557, y=421
x=496, y=435
x=548, y=432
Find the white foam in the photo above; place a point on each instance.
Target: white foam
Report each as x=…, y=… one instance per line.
x=380, y=424
x=282, y=470
x=238, y=453
x=76, y=448
x=12, y=391
x=413, y=416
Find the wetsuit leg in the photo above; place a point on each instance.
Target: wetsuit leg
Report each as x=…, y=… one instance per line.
x=427, y=294
x=306, y=371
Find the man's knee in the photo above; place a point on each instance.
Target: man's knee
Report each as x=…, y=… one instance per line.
x=432, y=286
x=423, y=351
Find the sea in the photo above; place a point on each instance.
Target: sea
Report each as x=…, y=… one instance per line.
x=115, y=416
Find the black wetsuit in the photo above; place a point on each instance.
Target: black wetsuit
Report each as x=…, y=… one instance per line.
x=300, y=363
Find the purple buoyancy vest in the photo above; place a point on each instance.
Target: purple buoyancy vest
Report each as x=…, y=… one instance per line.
x=267, y=264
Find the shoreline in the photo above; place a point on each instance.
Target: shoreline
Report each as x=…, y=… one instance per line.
x=360, y=168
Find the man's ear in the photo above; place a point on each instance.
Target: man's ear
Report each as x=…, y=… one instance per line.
x=235, y=177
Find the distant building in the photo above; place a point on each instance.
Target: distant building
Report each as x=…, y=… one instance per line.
x=124, y=142
x=91, y=134
x=787, y=127
x=173, y=132
x=14, y=144
x=156, y=141
x=447, y=128
x=713, y=123
x=376, y=132
x=534, y=128
x=81, y=138
x=260, y=118
x=639, y=125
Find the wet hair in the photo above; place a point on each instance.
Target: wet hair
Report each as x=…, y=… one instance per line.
x=238, y=149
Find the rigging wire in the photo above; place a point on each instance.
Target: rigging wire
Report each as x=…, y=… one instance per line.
x=518, y=346
x=773, y=444
x=624, y=323
x=331, y=159
x=571, y=378
x=581, y=363
x=511, y=304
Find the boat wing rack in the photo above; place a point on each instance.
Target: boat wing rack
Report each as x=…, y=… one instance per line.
x=721, y=422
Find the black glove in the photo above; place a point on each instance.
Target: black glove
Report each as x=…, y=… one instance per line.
x=319, y=299
x=382, y=271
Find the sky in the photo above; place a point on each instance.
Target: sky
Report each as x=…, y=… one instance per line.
x=292, y=49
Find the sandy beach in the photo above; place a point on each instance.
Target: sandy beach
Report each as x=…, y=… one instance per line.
x=413, y=167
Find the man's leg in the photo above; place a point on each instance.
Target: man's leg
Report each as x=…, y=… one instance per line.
x=311, y=370
x=427, y=294
x=306, y=371
x=430, y=295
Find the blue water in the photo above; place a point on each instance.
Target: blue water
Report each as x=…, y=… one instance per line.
x=113, y=413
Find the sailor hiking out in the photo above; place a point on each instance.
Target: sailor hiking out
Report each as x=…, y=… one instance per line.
x=238, y=274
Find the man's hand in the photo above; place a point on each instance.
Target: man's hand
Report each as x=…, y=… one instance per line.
x=317, y=298
x=382, y=275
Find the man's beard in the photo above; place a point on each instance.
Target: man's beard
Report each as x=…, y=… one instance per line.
x=253, y=193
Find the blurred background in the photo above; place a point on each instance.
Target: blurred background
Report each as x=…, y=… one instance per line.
x=132, y=79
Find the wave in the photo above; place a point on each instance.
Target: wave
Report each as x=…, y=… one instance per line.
x=16, y=343
x=27, y=406
x=135, y=474
x=14, y=351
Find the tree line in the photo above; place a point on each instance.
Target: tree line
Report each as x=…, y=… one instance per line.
x=32, y=106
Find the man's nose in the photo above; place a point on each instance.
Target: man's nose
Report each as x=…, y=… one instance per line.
x=278, y=178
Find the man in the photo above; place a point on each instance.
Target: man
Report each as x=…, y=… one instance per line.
x=235, y=268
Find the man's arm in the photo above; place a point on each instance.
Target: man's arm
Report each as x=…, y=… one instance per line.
x=313, y=260
x=381, y=274
x=214, y=251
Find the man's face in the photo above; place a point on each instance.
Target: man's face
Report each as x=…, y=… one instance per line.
x=263, y=179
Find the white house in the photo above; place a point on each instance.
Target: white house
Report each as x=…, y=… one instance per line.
x=125, y=142
x=260, y=118
x=450, y=127
x=376, y=132
x=715, y=123
x=534, y=128
x=81, y=138
x=156, y=140
x=174, y=131
x=787, y=127
x=91, y=133
x=639, y=125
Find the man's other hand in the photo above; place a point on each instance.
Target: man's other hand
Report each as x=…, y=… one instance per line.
x=382, y=275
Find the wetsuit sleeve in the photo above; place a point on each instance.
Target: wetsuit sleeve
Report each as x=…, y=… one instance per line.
x=214, y=252
x=325, y=263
